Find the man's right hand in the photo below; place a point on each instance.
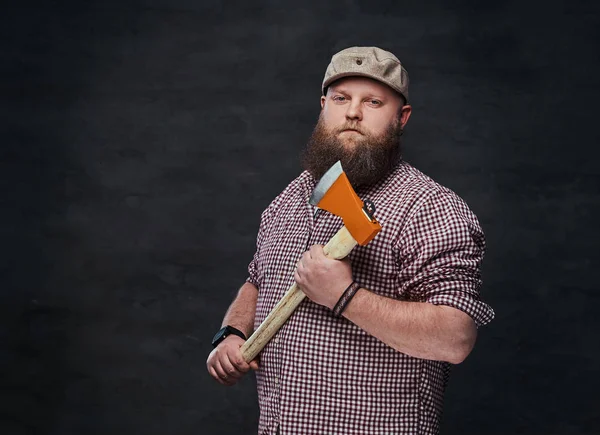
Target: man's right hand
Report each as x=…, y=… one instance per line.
x=226, y=364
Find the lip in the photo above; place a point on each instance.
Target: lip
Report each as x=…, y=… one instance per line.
x=351, y=129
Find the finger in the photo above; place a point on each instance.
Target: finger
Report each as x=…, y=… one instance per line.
x=299, y=268
x=306, y=257
x=215, y=375
x=316, y=251
x=307, y=261
x=239, y=363
x=213, y=366
x=229, y=368
x=254, y=364
x=221, y=373
x=223, y=376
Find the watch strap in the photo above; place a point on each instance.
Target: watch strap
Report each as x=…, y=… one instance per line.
x=225, y=332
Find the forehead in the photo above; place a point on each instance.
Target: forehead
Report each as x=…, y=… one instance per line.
x=363, y=85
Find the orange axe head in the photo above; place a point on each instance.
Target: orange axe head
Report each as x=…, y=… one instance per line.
x=335, y=194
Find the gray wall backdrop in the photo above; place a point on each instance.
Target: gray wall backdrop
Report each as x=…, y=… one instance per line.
x=141, y=140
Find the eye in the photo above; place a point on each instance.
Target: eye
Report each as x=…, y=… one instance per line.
x=339, y=98
x=374, y=102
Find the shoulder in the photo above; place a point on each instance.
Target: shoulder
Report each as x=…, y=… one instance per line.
x=436, y=215
x=420, y=190
x=416, y=202
x=297, y=191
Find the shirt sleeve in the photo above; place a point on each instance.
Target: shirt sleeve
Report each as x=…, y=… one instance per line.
x=440, y=251
x=253, y=271
x=267, y=217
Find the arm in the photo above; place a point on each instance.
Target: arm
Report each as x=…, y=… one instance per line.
x=419, y=329
x=439, y=254
x=225, y=363
x=241, y=312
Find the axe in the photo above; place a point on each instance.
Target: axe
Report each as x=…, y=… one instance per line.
x=334, y=194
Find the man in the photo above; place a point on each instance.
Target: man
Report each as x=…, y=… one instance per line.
x=411, y=296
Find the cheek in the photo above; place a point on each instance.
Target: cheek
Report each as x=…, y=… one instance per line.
x=329, y=125
x=332, y=115
x=379, y=124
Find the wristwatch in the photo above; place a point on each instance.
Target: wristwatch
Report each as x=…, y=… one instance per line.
x=224, y=332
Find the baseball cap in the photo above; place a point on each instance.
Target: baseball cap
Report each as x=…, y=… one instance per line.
x=372, y=62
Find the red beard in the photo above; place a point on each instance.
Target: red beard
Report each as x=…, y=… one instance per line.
x=366, y=160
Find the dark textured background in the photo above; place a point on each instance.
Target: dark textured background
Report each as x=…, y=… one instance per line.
x=142, y=139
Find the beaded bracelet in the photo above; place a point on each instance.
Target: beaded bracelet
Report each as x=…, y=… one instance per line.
x=348, y=294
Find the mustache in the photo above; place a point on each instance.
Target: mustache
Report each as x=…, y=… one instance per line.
x=349, y=126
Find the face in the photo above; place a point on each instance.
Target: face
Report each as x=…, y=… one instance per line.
x=357, y=106
x=360, y=124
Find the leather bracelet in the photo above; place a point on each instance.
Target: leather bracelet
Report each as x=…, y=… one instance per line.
x=343, y=301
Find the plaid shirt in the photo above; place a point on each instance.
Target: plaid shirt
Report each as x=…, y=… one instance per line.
x=322, y=374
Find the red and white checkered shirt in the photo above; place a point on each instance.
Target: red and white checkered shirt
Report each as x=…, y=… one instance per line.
x=322, y=374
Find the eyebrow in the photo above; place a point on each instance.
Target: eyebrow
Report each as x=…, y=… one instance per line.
x=344, y=91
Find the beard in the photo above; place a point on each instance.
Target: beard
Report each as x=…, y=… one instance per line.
x=366, y=159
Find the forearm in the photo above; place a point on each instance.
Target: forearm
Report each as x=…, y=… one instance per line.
x=242, y=310
x=419, y=329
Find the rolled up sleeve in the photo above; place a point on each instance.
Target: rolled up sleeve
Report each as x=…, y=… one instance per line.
x=253, y=270
x=440, y=251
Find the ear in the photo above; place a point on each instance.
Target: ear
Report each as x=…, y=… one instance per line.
x=322, y=101
x=405, y=115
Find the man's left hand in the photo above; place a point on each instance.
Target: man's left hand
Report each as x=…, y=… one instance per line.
x=322, y=279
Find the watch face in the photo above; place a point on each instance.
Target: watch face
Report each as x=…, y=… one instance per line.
x=219, y=334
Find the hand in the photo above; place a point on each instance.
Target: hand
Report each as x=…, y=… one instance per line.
x=226, y=364
x=322, y=279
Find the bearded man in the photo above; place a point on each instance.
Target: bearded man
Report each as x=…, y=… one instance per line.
x=381, y=365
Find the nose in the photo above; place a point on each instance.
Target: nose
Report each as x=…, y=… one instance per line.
x=354, y=112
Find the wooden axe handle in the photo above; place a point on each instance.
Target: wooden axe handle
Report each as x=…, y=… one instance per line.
x=337, y=248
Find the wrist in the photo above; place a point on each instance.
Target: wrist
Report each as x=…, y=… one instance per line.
x=232, y=338
x=355, y=303
x=225, y=332
x=337, y=294
x=345, y=298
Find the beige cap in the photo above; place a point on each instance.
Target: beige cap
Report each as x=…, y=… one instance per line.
x=369, y=62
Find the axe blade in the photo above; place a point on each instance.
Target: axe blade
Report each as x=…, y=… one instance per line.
x=326, y=182
x=335, y=194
